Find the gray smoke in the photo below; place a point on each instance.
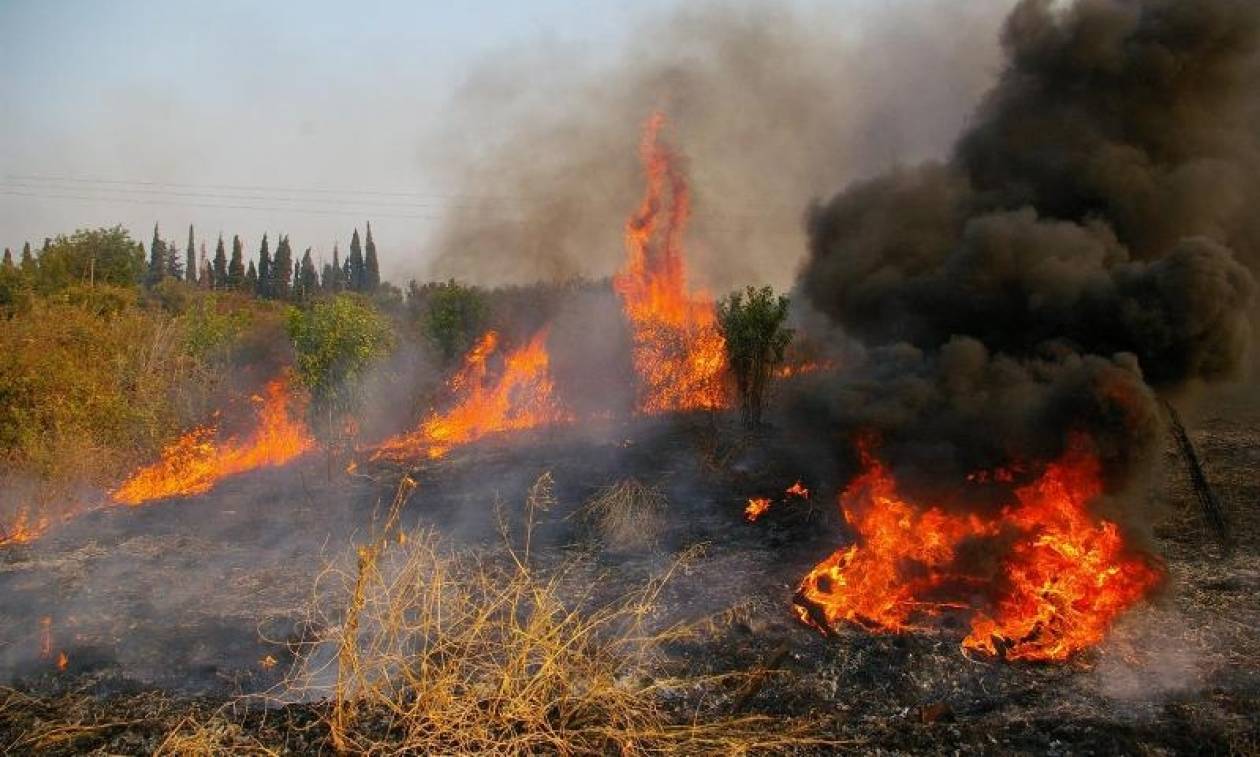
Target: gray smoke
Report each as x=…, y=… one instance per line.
x=1086, y=247
x=770, y=106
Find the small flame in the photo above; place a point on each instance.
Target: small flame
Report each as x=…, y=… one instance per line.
x=197, y=462
x=797, y=490
x=521, y=397
x=679, y=355
x=1063, y=581
x=63, y=661
x=756, y=508
x=23, y=529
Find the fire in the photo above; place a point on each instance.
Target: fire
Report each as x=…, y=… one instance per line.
x=756, y=508
x=797, y=490
x=679, y=355
x=520, y=397
x=23, y=529
x=1062, y=581
x=198, y=461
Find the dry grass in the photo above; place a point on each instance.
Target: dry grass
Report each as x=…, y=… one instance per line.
x=439, y=651
x=627, y=515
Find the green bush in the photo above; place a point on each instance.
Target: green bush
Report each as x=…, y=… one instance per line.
x=752, y=324
x=334, y=341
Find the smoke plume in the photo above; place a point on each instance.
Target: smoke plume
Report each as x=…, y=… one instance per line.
x=1086, y=247
x=770, y=105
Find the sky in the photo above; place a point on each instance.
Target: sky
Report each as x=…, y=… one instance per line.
x=251, y=117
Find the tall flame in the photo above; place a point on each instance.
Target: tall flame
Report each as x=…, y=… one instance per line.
x=1064, y=578
x=197, y=461
x=679, y=355
x=519, y=398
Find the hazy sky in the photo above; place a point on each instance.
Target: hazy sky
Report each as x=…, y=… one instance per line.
x=307, y=118
x=244, y=117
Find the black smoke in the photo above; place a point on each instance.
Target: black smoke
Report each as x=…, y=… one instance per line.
x=1087, y=247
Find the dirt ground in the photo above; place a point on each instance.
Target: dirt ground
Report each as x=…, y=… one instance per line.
x=181, y=605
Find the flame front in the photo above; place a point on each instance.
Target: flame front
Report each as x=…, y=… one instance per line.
x=519, y=398
x=756, y=508
x=1062, y=581
x=197, y=461
x=679, y=355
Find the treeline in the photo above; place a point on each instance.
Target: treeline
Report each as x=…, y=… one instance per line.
x=111, y=256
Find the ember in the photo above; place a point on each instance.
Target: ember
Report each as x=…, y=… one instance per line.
x=1064, y=578
x=756, y=508
x=196, y=462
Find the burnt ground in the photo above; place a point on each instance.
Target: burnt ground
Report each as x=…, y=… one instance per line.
x=188, y=597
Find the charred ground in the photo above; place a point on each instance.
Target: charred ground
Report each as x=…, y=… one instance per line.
x=167, y=612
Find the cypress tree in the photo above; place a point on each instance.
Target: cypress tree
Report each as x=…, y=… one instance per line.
x=326, y=278
x=282, y=270
x=337, y=283
x=220, y=267
x=157, y=259
x=236, y=266
x=27, y=263
x=345, y=275
x=264, y=269
x=308, y=280
x=8, y=260
x=205, y=279
x=190, y=259
x=371, y=266
x=174, y=263
x=251, y=278
x=357, y=277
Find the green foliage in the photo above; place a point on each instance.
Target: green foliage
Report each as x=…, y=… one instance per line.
x=88, y=385
x=752, y=324
x=451, y=315
x=15, y=292
x=209, y=332
x=103, y=256
x=335, y=340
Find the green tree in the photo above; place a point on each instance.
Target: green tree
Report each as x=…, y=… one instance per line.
x=157, y=260
x=28, y=264
x=8, y=260
x=174, y=261
x=452, y=315
x=282, y=270
x=15, y=288
x=264, y=269
x=190, y=259
x=752, y=324
x=307, y=280
x=97, y=256
x=220, y=267
x=356, y=274
x=236, y=266
x=371, y=266
x=251, y=278
x=334, y=343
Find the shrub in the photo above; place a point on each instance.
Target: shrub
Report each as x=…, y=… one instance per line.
x=752, y=324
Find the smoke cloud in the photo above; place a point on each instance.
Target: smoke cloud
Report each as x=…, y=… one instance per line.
x=771, y=106
x=1087, y=245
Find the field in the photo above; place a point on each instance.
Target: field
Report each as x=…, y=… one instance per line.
x=193, y=622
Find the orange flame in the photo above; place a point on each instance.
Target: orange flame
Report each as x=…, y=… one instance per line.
x=1066, y=576
x=23, y=529
x=797, y=490
x=63, y=661
x=196, y=462
x=521, y=397
x=679, y=355
x=756, y=508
